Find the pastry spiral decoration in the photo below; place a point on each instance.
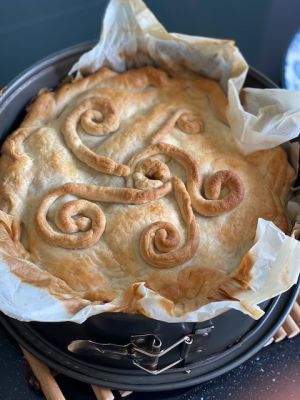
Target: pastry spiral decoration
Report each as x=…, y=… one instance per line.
x=159, y=242
x=81, y=221
x=183, y=119
x=97, y=116
x=212, y=205
x=150, y=173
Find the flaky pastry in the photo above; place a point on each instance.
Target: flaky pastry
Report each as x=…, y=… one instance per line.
x=116, y=179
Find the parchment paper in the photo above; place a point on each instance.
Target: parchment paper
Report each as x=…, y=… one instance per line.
x=132, y=37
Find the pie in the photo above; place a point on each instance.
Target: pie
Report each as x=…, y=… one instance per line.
x=114, y=180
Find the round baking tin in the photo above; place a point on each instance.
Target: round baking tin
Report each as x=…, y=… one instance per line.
x=234, y=339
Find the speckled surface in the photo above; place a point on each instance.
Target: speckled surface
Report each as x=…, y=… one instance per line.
x=272, y=374
x=13, y=385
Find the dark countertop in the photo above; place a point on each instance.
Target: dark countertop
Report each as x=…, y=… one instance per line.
x=274, y=373
x=33, y=29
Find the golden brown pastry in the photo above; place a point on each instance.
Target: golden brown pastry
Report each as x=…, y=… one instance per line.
x=117, y=179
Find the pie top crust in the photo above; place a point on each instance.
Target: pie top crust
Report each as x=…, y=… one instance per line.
x=117, y=179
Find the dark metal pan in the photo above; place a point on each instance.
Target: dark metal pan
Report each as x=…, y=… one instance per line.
x=134, y=352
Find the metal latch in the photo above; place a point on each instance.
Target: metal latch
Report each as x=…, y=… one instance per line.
x=155, y=355
x=145, y=351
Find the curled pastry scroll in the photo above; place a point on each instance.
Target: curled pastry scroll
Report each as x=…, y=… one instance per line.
x=185, y=120
x=159, y=242
x=150, y=173
x=212, y=205
x=97, y=116
x=82, y=222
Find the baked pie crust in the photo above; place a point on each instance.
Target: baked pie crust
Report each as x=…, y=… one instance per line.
x=117, y=179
